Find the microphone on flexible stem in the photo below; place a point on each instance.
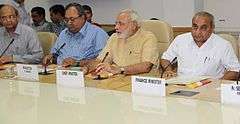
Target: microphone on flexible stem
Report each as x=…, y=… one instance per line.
x=238, y=76
x=55, y=55
x=164, y=69
x=6, y=48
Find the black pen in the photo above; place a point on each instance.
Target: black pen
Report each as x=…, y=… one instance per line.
x=101, y=61
x=205, y=59
x=104, y=57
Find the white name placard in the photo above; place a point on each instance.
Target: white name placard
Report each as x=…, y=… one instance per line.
x=70, y=78
x=27, y=72
x=230, y=94
x=148, y=86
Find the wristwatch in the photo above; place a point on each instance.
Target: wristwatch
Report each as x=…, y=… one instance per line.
x=122, y=70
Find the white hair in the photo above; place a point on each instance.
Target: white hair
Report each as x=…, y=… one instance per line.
x=133, y=15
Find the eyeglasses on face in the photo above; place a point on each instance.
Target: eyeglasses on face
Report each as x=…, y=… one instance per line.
x=122, y=23
x=72, y=19
x=5, y=18
x=201, y=27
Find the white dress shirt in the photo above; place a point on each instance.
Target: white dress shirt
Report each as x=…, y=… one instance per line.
x=213, y=58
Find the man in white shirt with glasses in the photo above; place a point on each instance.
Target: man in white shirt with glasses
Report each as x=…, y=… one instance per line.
x=201, y=52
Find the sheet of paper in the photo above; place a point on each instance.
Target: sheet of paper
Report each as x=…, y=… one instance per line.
x=185, y=79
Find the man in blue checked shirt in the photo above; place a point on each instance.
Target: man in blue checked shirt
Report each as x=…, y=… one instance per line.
x=83, y=41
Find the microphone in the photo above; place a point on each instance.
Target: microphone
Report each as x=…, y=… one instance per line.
x=55, y=55
x=6, y=48
x=164, y=69
x=238, y=77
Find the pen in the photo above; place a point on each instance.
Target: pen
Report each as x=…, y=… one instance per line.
x=205, y=59
x=104, y=57
x=101, y=61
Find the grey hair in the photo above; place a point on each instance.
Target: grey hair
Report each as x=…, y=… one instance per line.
x=205, y=14
x=134, y=16
x=78, y=6
x=10, y=6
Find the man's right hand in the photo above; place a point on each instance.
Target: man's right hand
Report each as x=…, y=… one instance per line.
x=108, y=68
x=6, y=59
x=47, y=59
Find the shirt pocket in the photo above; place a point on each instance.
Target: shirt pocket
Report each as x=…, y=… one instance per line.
x=135, y=53
x=20, y=48
x=212, y=63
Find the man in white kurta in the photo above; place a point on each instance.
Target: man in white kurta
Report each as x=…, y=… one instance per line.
x=201, y=52
x=213, y=58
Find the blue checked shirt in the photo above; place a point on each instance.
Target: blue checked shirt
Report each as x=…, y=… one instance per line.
x=85, y=44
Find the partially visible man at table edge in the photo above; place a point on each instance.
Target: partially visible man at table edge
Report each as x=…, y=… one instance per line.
x=201, y=52
x=25, y=47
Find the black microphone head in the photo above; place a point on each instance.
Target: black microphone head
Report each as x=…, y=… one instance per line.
x=62, y=45
x=107, y=54
x=11, y=41
x=174, y=59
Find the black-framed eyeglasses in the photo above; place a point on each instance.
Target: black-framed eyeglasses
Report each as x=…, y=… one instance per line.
x=4, y=18
x=72, y=19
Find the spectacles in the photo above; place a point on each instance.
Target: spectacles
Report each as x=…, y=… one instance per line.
x=5, y=18
x=202, y=28
x=121, y=23
x=72, y=19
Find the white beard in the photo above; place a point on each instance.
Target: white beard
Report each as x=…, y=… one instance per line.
x=124, y=35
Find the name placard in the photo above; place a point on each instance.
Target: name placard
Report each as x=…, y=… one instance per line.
x=230, y=94
x=70, y=78
x=27, y=72
x=148, y=86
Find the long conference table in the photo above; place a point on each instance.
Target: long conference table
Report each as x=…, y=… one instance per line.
x=109, y=101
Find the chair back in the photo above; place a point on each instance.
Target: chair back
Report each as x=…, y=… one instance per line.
x=233, y=41
x=163, y=32
x=47, y=40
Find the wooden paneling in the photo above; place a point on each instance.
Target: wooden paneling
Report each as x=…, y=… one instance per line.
x=180, y=30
